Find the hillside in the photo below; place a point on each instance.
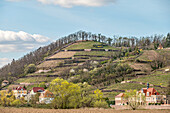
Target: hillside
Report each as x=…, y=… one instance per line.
x=108, y=68
x=84, y=65
x=60, y=63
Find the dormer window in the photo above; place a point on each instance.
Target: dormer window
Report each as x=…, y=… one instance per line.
x=147, y=93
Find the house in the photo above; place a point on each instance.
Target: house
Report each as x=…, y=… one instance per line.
x=166, y=99
x=4, y=83
x=46, y=97
x=19, y=92
x=151, y=95
x=36, y=90
x=119, y=99
x=160, y=46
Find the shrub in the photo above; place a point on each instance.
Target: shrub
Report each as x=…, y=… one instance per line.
x=31, y=68
x=101, y=104
x=126, y=54
x=103, y=62
x=61, y=64
x=16, y=103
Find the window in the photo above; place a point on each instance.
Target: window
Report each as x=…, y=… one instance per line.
x=147, y=93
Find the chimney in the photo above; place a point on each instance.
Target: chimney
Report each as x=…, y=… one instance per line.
x=147, y=85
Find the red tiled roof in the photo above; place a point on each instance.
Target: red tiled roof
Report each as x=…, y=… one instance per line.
x=120, y=95
x=19, y=88
x=151, y=91
x=36, y=89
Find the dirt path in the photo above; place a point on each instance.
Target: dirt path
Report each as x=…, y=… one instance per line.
x=32, y=110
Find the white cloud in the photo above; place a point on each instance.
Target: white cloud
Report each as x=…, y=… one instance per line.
x=21, y=36
x=71, y=3
x=4, y=61
x=20, y=41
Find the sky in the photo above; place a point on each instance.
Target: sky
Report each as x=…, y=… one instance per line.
x=26, y=25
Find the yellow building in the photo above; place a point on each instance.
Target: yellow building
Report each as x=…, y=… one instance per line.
x=19, y=92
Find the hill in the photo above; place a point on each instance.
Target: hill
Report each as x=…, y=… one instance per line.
x=109, y=68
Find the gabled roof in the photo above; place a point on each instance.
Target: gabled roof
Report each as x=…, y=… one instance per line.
x=20, y=88
x=37, y=89
x=5, y=81
x=160, y=46
x=151, y=91
x=46, y=93
x=120, y=95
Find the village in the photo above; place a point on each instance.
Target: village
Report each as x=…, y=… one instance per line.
x=151, y=96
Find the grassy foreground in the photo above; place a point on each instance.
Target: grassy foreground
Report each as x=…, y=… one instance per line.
x=90, y=110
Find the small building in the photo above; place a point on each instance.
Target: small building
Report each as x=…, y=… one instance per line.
x=152, y=96
x=19, y=92
x=36, y=90
x=46, y=97
x=4, y=83
x=160, y=46
x=119, y=99
x=166, y=99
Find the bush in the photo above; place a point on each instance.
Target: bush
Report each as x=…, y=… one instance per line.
x=111, y=102
x=31, y=68
x=61, y=64
x=16, y=103
x=103, y=62
x=126, y=54
x=101, y=104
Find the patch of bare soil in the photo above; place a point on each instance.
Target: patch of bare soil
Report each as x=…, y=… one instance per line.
x=64, y=54
x=141, y=66
x=51, y=63
x=94, y=110
x=150, y=55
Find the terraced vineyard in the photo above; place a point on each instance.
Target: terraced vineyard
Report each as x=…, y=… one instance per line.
x=70, y=58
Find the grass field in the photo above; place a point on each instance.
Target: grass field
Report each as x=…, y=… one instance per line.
x=35, y=79
x=88, y=45
x=99, y=53
x=126, y=86
x=148, y=55
x=162, y=79
x=87, y=110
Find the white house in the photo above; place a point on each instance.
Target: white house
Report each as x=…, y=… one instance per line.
x=46, y=97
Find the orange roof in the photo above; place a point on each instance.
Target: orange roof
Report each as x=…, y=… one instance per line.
x=160, y=46
x=120, y=95
x=151, y=91
x=5, y=81
x=46, y=93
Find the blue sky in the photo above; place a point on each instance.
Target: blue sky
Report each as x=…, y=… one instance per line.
x=27, y=24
